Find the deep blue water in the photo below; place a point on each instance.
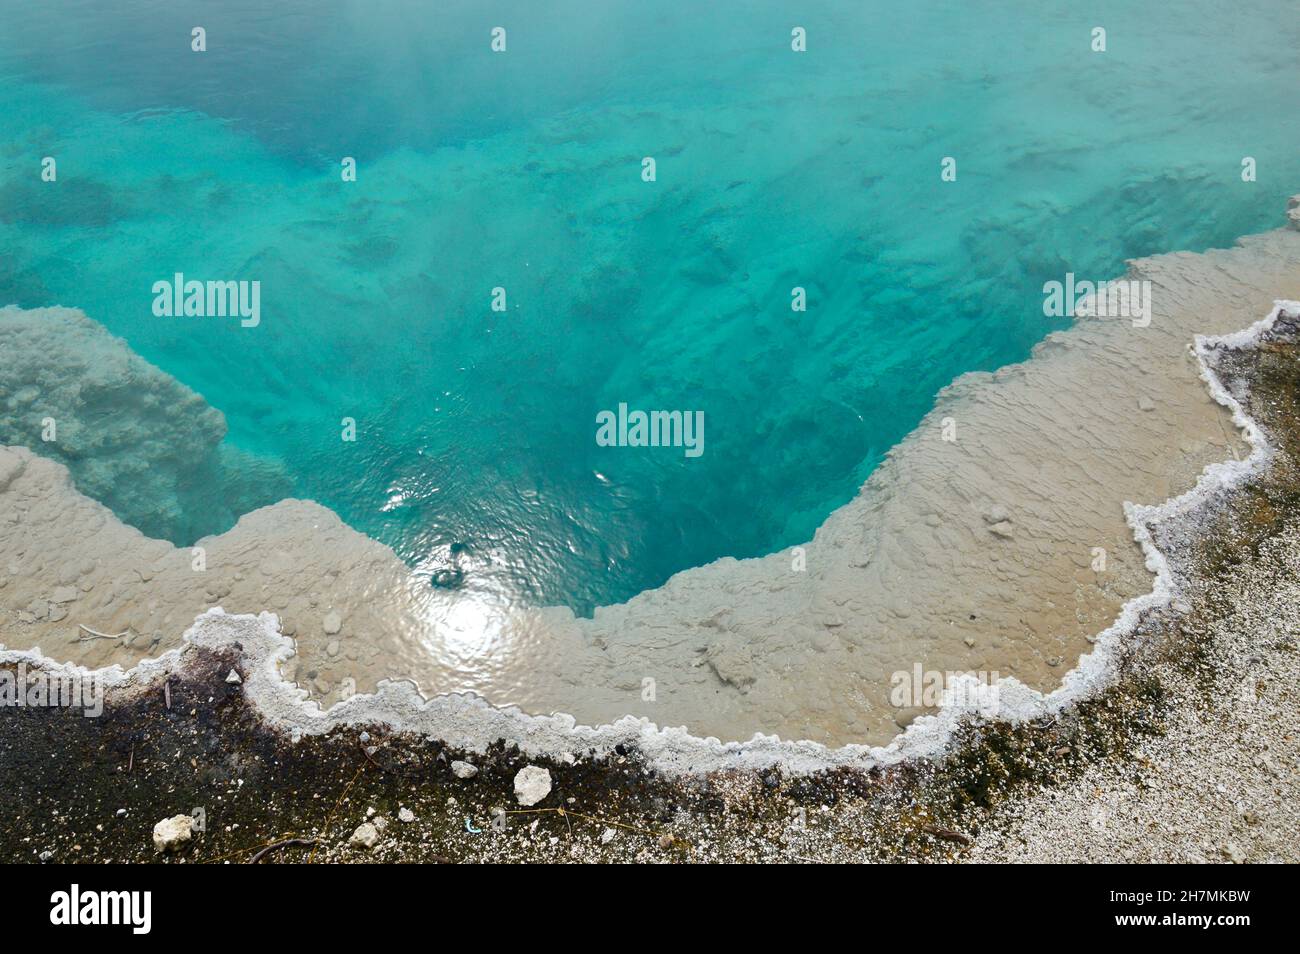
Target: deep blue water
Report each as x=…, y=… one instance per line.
x=476, y=429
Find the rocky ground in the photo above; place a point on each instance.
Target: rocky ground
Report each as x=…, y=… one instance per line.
x=1190, y=756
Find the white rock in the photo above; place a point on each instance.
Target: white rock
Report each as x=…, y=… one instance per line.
x=532, y=784
x=233, y=678
x=997, y=514
x=365, y=836
x=463, y=769
x=332, y=624
x=405, y=815
x=607, y=836
x=170, y=833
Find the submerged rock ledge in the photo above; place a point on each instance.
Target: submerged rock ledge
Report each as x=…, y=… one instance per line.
x=960, y=555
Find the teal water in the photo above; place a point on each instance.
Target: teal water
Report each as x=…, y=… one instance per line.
x=475, y=429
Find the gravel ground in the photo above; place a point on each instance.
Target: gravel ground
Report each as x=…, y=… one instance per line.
x=1219, y=783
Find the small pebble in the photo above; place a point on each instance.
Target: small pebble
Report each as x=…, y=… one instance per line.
x=365, y=836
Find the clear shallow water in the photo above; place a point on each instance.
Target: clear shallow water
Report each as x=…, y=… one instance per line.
x=476, y=430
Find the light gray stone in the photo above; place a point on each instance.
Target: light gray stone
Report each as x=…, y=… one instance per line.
x=532, y=784
x=170, y=833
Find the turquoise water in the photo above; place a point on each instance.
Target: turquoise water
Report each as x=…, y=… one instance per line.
x=475, y=448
